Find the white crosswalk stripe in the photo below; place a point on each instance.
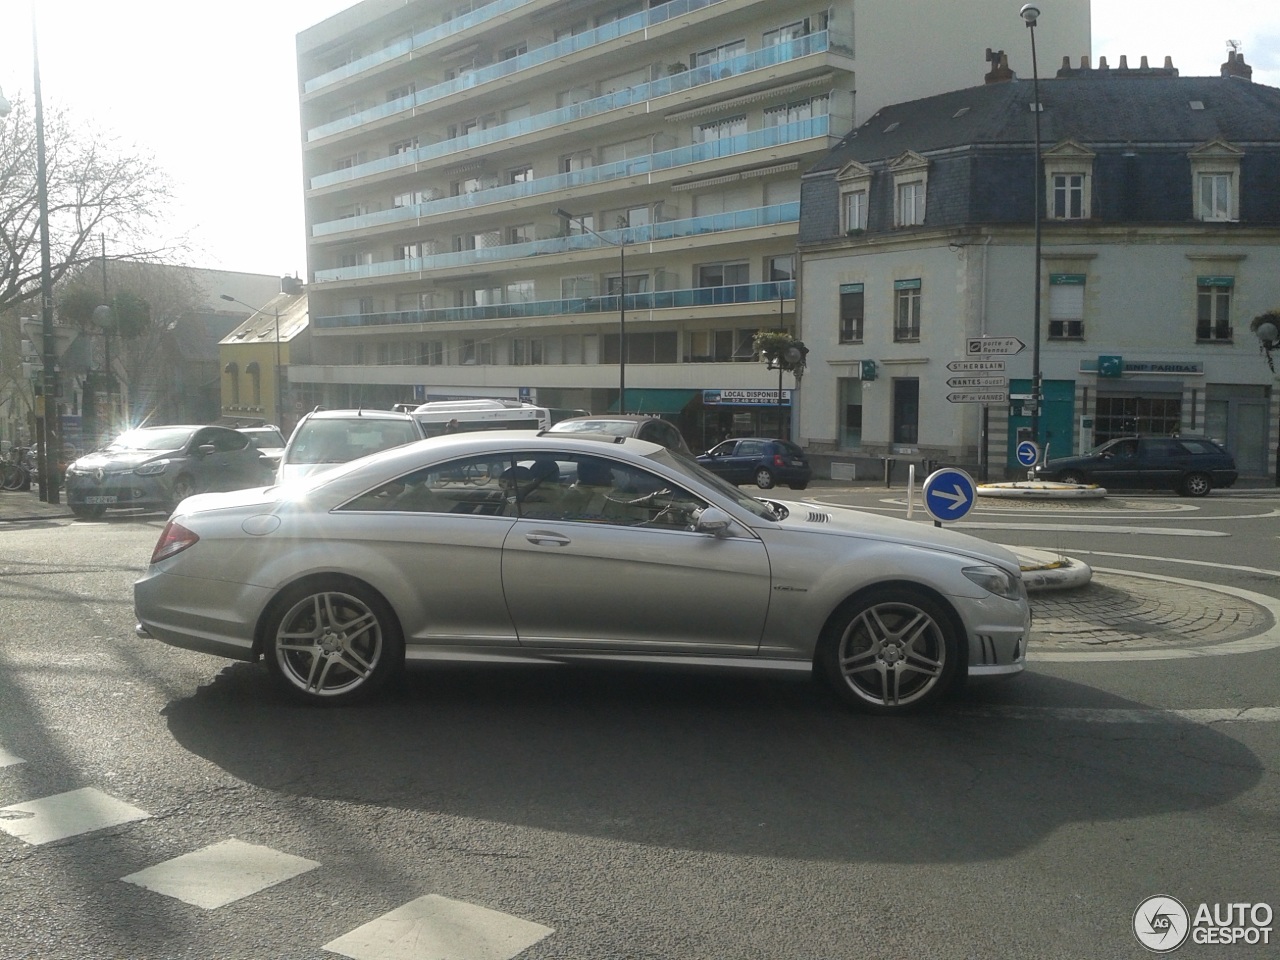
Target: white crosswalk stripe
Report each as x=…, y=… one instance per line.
x=66, y=815
x=220, y=874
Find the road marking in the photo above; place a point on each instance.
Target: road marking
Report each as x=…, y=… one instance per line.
x=1093, y=528
x=220, y=874
x=66, y=815
x=442, y=929
x=8, y=759
x=1141, y=715
x=1263, y=641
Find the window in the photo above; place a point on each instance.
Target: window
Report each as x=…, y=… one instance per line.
x=723, y=274
x=476, y=352
x=521, y=233
x=1215, y=196
x=792, y=31
x=911, y=203
x=906, y=313
x=403, y=146
x=781, y=269
x=720, y=129
x=851, y=313
x=1068, y=175
x=1066, y=306
x=721, y=53
x=795, y=112
x=1215, y=181
x=853, y=211
x=520, y=174
x=1213, y=308
x=1068, y=196
x=400, y=92
x=408, y=251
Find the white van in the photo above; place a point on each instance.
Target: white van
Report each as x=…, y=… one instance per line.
x=461, y=416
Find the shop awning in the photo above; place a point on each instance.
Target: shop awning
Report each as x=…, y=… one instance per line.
x=656, y=401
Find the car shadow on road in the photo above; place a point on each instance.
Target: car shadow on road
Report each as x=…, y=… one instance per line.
x=713, y=761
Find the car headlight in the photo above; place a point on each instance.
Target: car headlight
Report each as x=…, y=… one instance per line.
x=151, y=469
x=995, y=580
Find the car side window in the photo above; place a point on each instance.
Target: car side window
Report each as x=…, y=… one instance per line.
x=482, y=485
x=608, y=492
x=750, y=448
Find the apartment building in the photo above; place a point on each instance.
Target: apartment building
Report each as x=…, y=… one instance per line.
x=592, y=205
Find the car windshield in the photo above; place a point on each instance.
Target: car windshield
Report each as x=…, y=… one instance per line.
x=158, y=438
x=685, y=465
x=337, y=441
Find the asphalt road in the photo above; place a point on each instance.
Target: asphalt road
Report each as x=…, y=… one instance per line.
x=595, y=813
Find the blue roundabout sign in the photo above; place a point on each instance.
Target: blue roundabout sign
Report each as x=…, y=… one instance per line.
x=948, y=494
x=1028, y=453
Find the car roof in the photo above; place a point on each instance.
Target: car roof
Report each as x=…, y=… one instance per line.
x=358, y=413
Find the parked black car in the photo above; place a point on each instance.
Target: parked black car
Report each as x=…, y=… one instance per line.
x=764, y=462
x=1191, y=466
x=156, y=467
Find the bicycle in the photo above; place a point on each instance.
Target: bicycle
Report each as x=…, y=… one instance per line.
x=14, y=476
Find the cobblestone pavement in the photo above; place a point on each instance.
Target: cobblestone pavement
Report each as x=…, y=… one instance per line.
x=1134, y=613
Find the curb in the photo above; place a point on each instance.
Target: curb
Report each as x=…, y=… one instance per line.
x=1043, y=570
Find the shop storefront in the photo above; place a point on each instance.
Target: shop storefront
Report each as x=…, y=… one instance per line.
x=744, y=413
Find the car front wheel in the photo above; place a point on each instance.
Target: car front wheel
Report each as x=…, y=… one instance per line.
x=1071, y=476
x=889, y=651
x=183, y=487
x=764, y=479
x=332, y=641
x=1196, y=485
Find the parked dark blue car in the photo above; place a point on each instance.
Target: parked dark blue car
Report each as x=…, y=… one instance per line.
x=1191, y=466
x=761, y=461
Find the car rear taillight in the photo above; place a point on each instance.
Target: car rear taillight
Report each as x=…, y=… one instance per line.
x=778, y=461
x=173, y=539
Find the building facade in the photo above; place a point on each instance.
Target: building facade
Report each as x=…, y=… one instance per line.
x=1160, y=240
x=255, y=358
x=591, y=205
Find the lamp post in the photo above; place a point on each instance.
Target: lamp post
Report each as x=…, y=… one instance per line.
x=1267, y=329
x=1031, y=13
x=622, y=303
x=279, y=418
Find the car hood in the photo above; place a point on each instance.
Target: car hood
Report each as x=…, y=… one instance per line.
x=844, y=522
x=120, y=459
x=290, y=472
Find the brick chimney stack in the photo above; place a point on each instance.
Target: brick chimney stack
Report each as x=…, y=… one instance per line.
x=999, y=72
x=1236, y=67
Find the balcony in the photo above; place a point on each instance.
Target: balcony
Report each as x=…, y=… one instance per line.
x=419, y=40
x=742, y=66
x=651, y=233
x=545, y=186
x=576, y=306
x=583, y=41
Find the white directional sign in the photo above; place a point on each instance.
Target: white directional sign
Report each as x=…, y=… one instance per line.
x=982, y=383
x=976, y=366
x=979, y=396
x=993, y=346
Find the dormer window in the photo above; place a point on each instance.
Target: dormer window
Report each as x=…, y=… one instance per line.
x=854, y=181
x=1068, y=173
x=910, y=185
x=1215, y=181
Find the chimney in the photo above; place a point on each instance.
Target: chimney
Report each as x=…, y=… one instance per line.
x=1236, y=68
x=999, y=72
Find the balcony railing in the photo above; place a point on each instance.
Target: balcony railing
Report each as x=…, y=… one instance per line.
x=761, y=59
x=650, y=233
x=417, y=41
x=666, y=299
x=785, y=133
x=626, y=26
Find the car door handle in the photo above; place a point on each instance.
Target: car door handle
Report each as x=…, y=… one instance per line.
x=542, y=538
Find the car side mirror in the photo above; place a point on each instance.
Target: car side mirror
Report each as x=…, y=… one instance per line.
x=712, y=520
x=207, y=448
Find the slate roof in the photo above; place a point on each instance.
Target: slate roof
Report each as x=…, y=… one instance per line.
x=1095, y=109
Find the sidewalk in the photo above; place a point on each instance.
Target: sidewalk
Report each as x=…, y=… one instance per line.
x=16, y=506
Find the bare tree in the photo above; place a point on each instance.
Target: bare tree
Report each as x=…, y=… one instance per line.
x=94, y=188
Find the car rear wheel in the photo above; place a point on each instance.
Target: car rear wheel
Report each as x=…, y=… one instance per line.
x=889, y=650
x=1196, y=485
x=797, y=486
x=1070, y=476
x=764, y=478
x=332, y=640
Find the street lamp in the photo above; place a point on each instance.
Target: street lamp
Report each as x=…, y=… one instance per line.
x=622, y=303
x=279, y=418
x=1031, y=13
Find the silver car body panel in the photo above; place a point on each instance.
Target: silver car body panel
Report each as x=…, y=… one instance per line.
x=485, y=587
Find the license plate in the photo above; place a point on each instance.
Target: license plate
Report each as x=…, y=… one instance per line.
x=99, y=499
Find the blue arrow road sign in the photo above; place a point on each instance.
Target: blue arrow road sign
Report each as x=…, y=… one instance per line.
x=1028, y=453
x=948, y=494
